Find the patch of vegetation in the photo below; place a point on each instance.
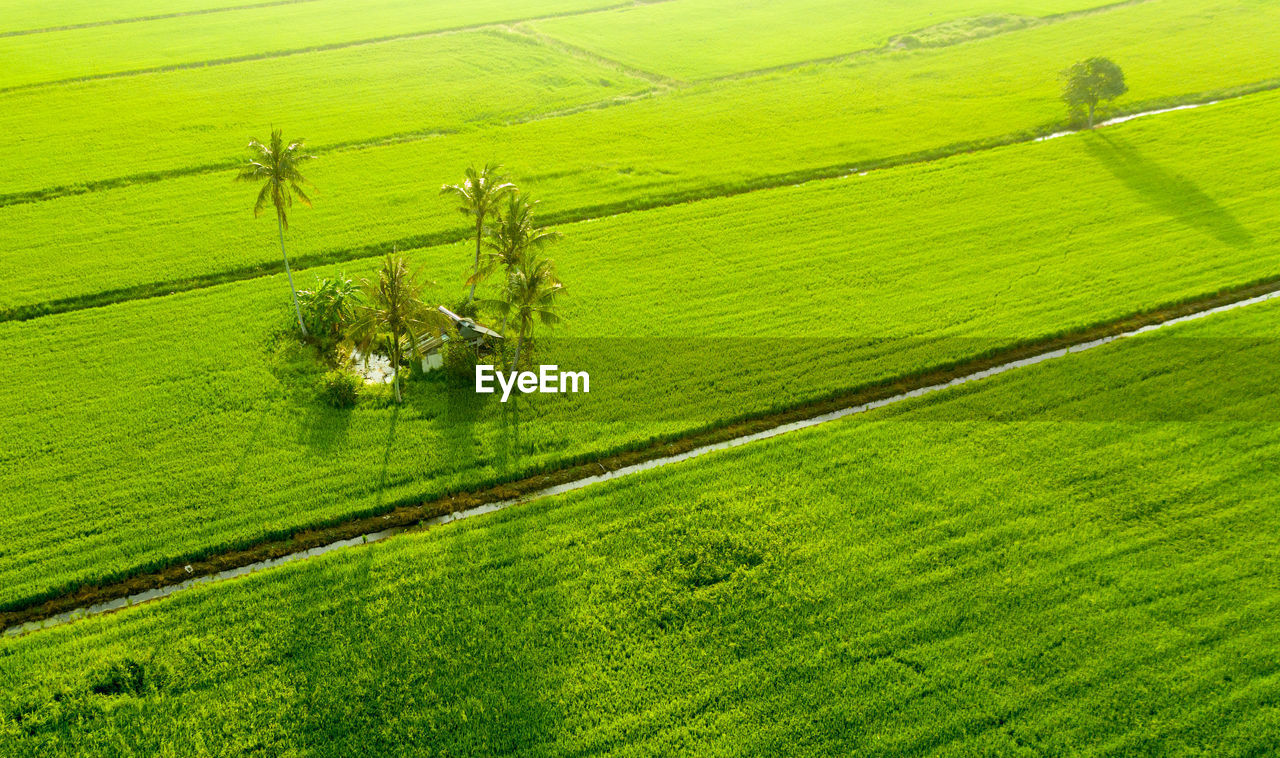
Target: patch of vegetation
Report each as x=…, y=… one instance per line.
x=1081, y=230
x=371, y=95
x=960, y=30
x=245, y=36
x=723, y=37
x=690, y=143
x=999, y=565
x=341, y=389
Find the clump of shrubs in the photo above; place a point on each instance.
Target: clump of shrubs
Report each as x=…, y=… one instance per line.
x=327, y=311
x=340, y=389
x=460, y=359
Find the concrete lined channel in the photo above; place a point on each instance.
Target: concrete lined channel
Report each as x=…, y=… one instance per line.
x=162, y=592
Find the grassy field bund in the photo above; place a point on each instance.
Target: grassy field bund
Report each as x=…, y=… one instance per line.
x=178, y=429
x=255, y=32
x=199, y=118
x=702, y=39
x=1077, y=557
x=205, y=100
x=691, y=142
x=31, y=18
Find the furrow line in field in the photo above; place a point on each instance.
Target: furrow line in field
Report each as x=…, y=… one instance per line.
x=581, y=53
x=663, y=85
x=320, y=48
x=398, y=138
x=1024, y=23
x=595, y=212
x=144, y=588
x=157, y=17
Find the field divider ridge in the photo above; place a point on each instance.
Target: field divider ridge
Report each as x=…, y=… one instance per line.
x=157, y=17
x=663, y=84
x=54, y=609
x=303, y=261
x=890, y=46
x=565, y=48
x=285, y=53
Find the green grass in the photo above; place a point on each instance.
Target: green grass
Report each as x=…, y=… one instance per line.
x=249, y=33
x=203, y=117
x=22, y=16
x=701, y=39
x=103, y=118
x=1076, y=558
x=698, y=141
x=164, y=428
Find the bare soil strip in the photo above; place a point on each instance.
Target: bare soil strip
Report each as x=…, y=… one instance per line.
x=105, y=598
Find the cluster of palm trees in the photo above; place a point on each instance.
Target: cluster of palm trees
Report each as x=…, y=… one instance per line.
x=390, y=316
x=509, y=241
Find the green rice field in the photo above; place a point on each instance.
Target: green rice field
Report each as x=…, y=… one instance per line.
x=766, y=208
x=1077, y=557
x=1019, y=248
x=153, y=234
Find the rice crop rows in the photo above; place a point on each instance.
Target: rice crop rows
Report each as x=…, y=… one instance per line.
x=692, y=142
x=172, y=427
x=1074, y=558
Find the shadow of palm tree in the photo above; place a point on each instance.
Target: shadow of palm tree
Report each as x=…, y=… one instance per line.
x=1173, y=194
x=386, y=451
x=445, y=657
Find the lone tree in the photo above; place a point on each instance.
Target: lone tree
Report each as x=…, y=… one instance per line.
x=276, y=166
x=478, y=196
x=1090, y=82
x=394, y=316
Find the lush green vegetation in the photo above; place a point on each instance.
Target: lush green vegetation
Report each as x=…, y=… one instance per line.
x=202, y=117
x=697, y=141
x=250, y=33
x=1074, y=558
x=171, y=426
x=20, y=17
x=699, y=39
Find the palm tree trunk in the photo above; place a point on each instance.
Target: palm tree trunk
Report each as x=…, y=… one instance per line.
x=476, y=271
x=395, y=367
x=515, y=365
x=296, y=308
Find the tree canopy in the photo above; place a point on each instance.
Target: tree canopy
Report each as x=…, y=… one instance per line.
x=1090, y=82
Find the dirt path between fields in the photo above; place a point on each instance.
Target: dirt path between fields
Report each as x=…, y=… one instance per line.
x=146, y=588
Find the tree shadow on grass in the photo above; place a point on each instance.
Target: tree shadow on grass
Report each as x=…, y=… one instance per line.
x=386, y=448
x=1173, y=194
x=324, y=427
x=403, y=649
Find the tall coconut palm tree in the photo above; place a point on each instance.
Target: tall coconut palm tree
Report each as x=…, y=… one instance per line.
x=276, y=166
x=529, y=296
x=510, y=238
x=512, y=234
x=394, y=316
x=478, y=196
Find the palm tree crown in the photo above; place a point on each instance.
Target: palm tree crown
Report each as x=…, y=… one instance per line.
x=513, y=235
x=529, y=297
x=276, y=166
